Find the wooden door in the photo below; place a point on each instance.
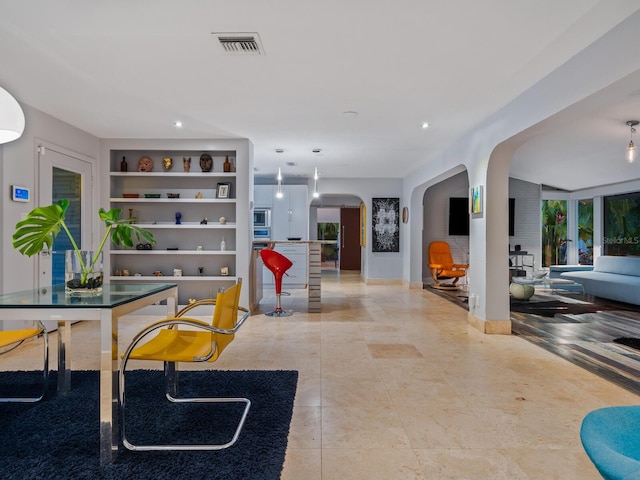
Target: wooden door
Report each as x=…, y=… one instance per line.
x=349, y=239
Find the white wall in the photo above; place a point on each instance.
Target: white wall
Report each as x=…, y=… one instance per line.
x=436, y=221
x=436, y=215
x=527, y=218
x=375, y=266
x=19, y=167
x=488, y=149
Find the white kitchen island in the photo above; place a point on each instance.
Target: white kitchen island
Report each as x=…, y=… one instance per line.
x=312, y=270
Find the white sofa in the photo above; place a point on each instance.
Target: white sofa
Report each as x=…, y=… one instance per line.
x=612, y=277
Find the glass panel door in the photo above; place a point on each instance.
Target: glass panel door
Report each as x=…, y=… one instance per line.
x=554, y=232
x=63, y=175
x=585, y=232
x=67, y=185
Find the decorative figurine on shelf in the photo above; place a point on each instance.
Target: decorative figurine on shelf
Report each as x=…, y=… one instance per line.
x=199, y=195
x=157, y=273
x=145, y=164
x=204, y=221
x=167, y=163
x=178, y=218
x=200, y=271
x=226, y=166
x=123, y=165
x=206, y=162
x=223, y=245
x=223, y=221
x=186, y=162
x=224, y=271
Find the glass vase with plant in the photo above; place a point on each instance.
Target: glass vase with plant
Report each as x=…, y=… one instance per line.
x=43, y=224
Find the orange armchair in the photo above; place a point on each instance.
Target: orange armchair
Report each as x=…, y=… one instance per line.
x=442, y=266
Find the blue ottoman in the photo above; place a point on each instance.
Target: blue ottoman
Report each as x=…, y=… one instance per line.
x=611, y=438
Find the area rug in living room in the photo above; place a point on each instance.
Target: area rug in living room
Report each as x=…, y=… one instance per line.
x=551, y=305
x=58, y=438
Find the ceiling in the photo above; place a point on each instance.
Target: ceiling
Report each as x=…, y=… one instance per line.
x=123, y=69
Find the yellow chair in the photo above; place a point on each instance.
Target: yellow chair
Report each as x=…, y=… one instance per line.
x=443, y=268
x=11, y=339
x=203, y=342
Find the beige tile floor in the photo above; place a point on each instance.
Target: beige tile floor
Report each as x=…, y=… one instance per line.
x=394, y=384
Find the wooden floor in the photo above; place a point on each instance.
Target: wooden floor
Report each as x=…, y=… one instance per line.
x=586, y=339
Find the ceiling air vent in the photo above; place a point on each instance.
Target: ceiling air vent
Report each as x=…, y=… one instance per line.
x=240, y=43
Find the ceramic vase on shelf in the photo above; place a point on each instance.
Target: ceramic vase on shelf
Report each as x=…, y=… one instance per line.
x=83, y=272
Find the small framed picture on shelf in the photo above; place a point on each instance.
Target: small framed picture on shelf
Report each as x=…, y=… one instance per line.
x=224, y=190
x=224, y=271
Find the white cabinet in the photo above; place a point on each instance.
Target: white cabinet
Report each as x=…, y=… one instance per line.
x=184, y=212
x=263, y=196
x=290, y=214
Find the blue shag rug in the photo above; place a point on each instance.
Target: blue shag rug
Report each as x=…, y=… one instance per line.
x=58, y=438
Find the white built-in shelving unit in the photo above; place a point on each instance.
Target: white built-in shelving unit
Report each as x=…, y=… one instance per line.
x=194, y=244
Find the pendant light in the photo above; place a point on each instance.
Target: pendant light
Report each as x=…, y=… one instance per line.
x=11, y=117
x=316, y=194
x=279, y=191
x=632, y=150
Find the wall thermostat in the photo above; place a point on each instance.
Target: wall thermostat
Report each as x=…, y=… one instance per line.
x=20, y=194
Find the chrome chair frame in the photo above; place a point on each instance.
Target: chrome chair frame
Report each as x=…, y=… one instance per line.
x=45, y=367
x=171, y=379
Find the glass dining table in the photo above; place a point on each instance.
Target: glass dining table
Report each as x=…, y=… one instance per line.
x=115, y=300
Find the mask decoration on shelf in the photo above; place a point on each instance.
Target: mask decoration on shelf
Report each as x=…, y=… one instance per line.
x=167, y=163
x=178, y=218
x=206, y=162
x=145, y=164
x=186, y=162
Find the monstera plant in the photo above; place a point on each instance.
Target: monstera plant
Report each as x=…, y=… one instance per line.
x=43, y=224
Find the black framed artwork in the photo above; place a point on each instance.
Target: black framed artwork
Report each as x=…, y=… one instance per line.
x=385, y=224
x=224, y=190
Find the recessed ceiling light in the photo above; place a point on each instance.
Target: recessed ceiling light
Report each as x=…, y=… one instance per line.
x=177, y=124
x=316, y=150
x=279, y=150
x=425, y=125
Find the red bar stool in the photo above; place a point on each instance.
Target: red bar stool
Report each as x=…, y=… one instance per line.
x=278, y=264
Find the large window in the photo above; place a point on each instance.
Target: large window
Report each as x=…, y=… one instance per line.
x=622, y=225
x=554, y=232
x=585, y=232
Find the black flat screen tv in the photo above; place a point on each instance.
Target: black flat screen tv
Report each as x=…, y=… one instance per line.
x=459, y=216
x=512, y=217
